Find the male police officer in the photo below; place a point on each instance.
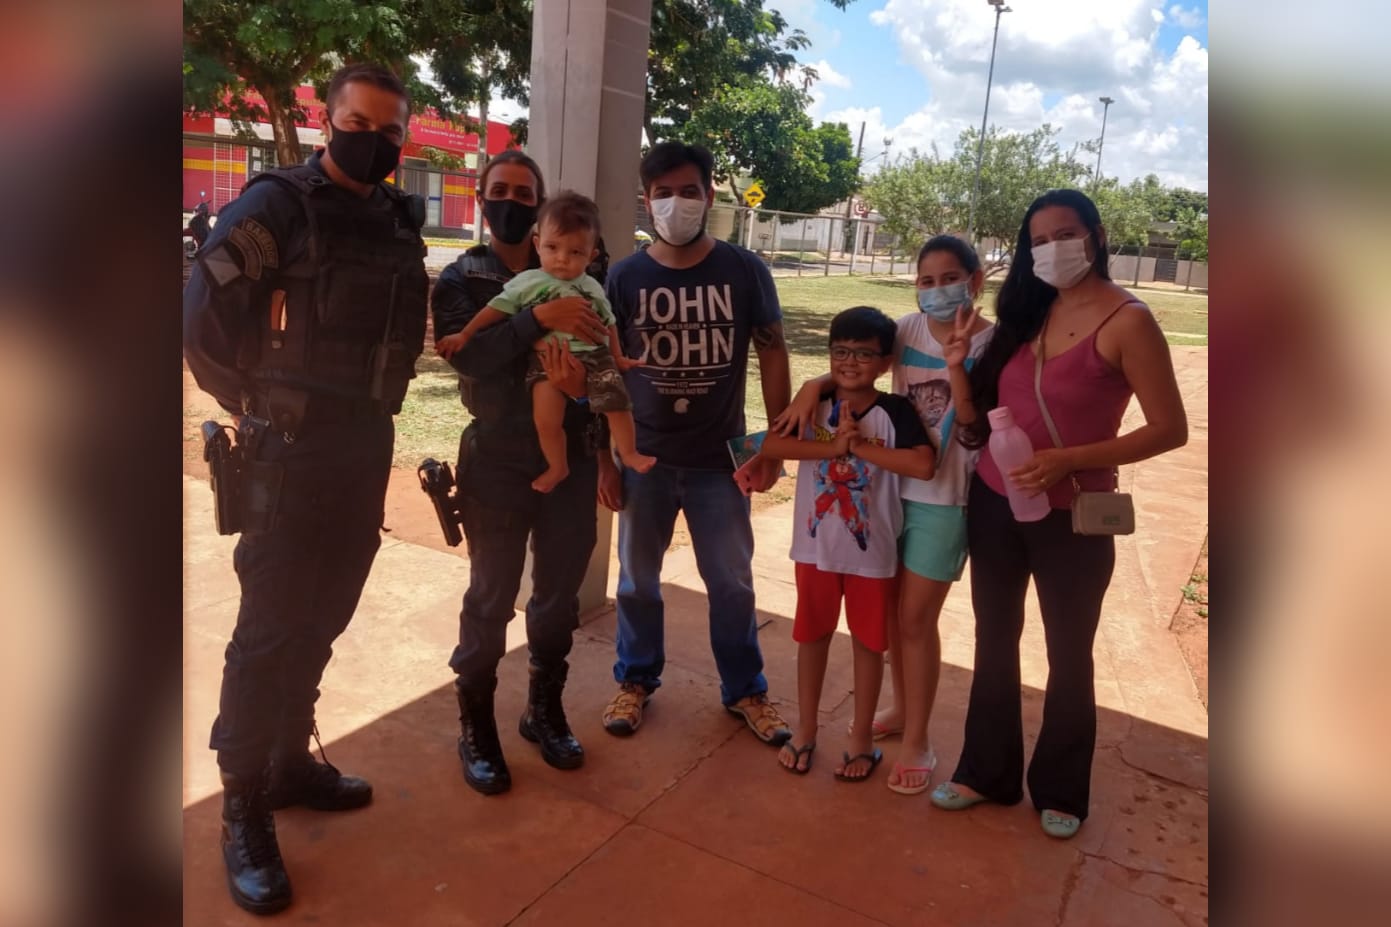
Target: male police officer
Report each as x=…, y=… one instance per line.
x=304, y=316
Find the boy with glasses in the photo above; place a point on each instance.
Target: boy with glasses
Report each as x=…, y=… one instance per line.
x=846, y=522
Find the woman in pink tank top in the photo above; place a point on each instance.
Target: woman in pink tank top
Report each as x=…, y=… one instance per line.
x=1100, y=346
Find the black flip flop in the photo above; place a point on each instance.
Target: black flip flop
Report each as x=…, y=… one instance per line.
x=798, y=753
x=874, y=760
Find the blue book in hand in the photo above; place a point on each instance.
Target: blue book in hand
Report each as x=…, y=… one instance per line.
x=746, y=447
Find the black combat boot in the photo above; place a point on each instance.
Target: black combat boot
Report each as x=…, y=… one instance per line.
x=485, y=770
x=255, y=872
x=544, y=722
x=296, y=778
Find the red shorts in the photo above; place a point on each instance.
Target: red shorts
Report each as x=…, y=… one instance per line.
x=867, y=604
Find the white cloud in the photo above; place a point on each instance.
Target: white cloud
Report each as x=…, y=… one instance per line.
x=805, y=15
x=503, y=110
x=1187, y=19
x=1068, y=51
x=828, y=75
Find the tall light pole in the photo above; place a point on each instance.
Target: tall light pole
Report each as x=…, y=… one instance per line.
x=1106, y=108
x=980, y=148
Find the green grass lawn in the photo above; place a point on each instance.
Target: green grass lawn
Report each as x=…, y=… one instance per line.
x=432, y=416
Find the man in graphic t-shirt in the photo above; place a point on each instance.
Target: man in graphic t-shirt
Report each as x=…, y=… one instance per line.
x=690, y=306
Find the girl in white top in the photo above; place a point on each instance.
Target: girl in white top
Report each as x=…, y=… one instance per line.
x=936, y=347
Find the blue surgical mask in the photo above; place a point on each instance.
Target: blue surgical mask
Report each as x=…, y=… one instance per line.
x=943, y=302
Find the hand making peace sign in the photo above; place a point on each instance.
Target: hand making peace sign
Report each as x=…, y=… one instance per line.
x=957, y=346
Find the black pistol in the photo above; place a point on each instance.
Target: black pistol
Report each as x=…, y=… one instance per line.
x=437, y=481
x=224, y=467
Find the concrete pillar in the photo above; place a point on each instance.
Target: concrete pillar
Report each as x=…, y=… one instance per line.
x=588, y=93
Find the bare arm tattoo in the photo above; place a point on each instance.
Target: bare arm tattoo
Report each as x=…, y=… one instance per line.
x=768, y=336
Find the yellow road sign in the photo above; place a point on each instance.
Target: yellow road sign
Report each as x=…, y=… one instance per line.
x=754, y=194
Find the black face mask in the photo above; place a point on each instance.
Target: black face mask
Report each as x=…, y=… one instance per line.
x=367, y=157
x=509, y=220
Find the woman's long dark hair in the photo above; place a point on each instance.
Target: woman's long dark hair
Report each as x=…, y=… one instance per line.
x=1022, y=305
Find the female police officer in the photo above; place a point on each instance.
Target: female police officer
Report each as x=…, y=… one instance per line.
x=498, y=458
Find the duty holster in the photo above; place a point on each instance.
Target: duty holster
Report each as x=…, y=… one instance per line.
x=246, y=491
x=224, y=464
x=437, y=480
x=440, y=484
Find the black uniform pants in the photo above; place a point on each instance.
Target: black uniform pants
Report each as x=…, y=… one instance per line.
x=1071, y=573
x=300, y=583
x=561, y=528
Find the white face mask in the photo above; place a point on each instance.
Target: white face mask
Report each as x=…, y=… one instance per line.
x=678, y=221
x=1061, y=263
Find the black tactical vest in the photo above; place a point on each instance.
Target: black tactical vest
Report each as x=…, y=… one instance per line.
x=355, y=304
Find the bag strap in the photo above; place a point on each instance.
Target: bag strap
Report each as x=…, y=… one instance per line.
x=1038, y=389
x=1043, y=406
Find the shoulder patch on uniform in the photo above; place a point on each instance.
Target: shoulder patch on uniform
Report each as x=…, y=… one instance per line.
x=219, y=264
x=257, y=247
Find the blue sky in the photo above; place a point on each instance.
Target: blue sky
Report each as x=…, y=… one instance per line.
x=915, y=71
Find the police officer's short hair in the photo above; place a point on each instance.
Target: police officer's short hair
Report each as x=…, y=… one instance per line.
x=368, y=73
x=513, y=156
x=568, y=212
x=665, y=157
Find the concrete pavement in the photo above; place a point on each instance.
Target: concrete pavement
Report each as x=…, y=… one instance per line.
x=691, y=821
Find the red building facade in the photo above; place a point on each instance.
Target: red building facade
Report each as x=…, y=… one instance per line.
x=217, y=163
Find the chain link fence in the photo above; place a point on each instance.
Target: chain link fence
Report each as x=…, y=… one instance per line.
x=805, y=244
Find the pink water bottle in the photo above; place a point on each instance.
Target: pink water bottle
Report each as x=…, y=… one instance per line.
x=1012, y=448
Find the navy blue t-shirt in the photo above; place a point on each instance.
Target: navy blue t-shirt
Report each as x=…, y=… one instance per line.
x=692, y=327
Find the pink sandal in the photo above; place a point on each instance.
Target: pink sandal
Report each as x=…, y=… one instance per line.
x=901, y=770
x=878, y=731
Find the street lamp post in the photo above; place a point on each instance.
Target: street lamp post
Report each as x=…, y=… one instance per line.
x=980, y=148
x=1106, y=101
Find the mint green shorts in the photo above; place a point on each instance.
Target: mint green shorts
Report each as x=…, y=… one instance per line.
x=934, y=540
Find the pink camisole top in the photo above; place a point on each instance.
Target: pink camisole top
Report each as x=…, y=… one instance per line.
x=1086, y=396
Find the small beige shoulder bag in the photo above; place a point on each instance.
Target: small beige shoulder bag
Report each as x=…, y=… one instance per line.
x=1092, y=512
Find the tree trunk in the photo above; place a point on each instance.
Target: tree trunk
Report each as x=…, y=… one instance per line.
x=482, y=161
x=282, y=121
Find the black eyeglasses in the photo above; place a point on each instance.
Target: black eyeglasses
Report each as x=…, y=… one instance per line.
x=862, y=355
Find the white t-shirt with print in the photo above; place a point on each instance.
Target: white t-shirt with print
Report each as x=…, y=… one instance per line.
x=920, y=375
x=848, y=513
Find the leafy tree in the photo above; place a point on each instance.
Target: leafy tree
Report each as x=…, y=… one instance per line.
x=235, y=46
x=918, y=197
x=700, y=47
x=232, y=47
x=1152, y=193
x=923, y=195
x=1016, y=168
x=1126, y=213
x=1192, y=234
x=476, y=47
x=761, y=129
x=842, y=170
x=1177, y=199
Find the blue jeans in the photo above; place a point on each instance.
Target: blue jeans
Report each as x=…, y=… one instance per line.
x=717, y=514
